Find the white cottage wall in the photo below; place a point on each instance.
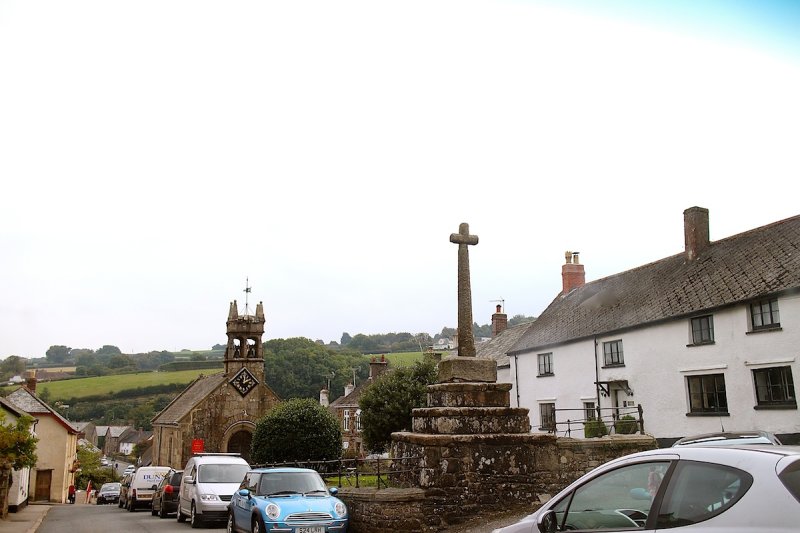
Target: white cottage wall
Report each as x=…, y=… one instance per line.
x=657, y=361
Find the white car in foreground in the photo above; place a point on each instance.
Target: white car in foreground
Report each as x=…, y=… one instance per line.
x=693, y=488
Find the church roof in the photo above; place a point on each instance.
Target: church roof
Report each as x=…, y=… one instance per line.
x=498, y=347
x=198, y=390
x=755, y=264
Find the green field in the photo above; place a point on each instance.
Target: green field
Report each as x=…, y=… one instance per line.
x=82, y=387
x=400, y=359
x=100, y=385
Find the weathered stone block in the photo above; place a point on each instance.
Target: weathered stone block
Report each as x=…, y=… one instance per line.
x=467, y=369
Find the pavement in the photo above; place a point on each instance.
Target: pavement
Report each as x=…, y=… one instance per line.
x=26, y=520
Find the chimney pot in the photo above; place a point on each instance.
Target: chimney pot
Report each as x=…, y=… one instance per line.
x=572, y=273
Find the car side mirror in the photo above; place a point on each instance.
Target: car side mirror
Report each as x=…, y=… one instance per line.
x=189, y=480
x=245, y=493
x=333, y=490
x=547, y=522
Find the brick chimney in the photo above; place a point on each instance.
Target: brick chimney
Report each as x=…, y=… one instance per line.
x=499, y=321
x=376, y=368
x=695, y=231
x=572, y=273
x=30, y=380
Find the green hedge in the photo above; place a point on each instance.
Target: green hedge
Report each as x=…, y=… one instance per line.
x=594, y=428
x=626, y=425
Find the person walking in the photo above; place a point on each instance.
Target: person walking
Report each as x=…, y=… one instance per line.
x=71, y=496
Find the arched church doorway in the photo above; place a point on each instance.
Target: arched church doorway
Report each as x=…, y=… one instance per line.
x=240, y=443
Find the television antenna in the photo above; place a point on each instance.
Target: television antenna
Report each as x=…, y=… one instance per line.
x=502, y=304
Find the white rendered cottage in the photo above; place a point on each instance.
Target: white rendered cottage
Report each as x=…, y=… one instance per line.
x=703, y=340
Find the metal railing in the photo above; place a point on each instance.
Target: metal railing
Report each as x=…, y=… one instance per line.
x=376, y=472
x=615, y=418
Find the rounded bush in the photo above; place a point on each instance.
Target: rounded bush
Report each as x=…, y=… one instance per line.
x=297, y=430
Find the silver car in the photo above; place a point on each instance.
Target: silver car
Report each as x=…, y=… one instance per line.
x=730, y=438
x=696, y=488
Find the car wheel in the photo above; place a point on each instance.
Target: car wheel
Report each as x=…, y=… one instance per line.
x=195, y=519
x=258, y=525
x=181, y=516
x=231, y=524
x=162, y=513
x=153, y=511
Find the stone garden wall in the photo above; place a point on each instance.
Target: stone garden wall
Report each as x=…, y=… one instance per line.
x=457, y=477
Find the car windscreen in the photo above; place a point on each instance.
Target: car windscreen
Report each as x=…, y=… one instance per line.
x=290, y=483
x=221, y=473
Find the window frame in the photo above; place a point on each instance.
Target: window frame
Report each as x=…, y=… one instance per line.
x=705, y=330
x=346, y=420
x=590, y=410
x=705, y=395
x=547, y=421
x=785, y=384
x=757, y=309
x=545, y=369
x=609, y=354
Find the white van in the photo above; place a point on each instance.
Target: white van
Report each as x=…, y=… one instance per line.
x=142, y=486
x=209, y=480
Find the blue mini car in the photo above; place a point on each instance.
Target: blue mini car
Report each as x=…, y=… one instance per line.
x=289, y=500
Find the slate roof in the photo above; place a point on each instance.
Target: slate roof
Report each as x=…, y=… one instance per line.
x=30, y=403
x=11, y=408
x=761, y=262
x=498, y=347
x=197, y=391
x=351, y=400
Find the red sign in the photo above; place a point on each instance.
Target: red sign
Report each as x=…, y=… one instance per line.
x=198, y=445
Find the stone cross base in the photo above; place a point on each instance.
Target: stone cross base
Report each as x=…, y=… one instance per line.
x=459, y=369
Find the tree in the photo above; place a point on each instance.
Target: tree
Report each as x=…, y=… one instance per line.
x=300, y=368
x=91, y=469
x=520, y=319
x=346, y=338
x=297, y=430
x=109, y=349
x=13, y=365
x=17, y=450
x=386, y=404
x=57, y=353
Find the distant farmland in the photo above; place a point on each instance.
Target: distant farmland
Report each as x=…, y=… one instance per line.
x=100, y=385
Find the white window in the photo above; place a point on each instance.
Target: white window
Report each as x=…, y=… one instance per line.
x=346, y=420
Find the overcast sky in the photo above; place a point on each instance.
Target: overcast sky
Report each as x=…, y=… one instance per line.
x=156, y=154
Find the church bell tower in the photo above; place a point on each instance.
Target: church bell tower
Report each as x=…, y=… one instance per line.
x=244, y=354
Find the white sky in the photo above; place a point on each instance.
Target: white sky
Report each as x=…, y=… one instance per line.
x=154, y=154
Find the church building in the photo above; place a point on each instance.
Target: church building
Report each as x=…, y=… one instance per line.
x=218, y=413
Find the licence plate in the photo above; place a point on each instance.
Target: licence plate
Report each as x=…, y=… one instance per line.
x=314, y=529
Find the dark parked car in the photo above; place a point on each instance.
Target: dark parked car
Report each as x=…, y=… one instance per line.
x=165, y=498
x=109, y=493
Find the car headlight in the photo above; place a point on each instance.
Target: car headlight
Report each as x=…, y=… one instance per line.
x=340, y=509
x=209, y=497
x=272, y=511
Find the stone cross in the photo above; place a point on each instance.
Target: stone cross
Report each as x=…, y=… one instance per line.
x=466, y=342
